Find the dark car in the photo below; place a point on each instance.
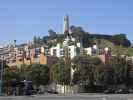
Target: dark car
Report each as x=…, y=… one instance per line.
x=52, y=92
x=109, y=91
x=26, y=88
x=130, y=90
x=122, y=91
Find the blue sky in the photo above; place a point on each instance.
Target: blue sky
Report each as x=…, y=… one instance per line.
x=22, y=19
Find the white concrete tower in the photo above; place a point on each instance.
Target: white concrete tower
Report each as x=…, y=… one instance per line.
x=66, y=25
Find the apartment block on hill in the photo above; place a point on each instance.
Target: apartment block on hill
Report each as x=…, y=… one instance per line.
x=17, y=55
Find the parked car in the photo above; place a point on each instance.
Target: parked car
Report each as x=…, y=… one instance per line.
x=26, y=88
x=122, y=91
x=109, y=91
x=130, y=90
x=52, y=91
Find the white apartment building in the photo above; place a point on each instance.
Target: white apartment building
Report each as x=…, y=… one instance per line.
x=59, y=50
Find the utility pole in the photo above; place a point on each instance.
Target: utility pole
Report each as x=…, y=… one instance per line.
x=1, y=75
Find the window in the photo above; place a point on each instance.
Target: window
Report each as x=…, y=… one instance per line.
x=62, y=52
x=54, y=52
x=37, y=51
x=69, y=54
x=20, y=60
x=13, y=61
x=7, y=62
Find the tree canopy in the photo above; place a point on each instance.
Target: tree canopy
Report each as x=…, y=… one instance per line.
x=61, y=72
x=38, y=74
x=85, y=68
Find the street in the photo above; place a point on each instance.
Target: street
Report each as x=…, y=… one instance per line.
x=72, y=97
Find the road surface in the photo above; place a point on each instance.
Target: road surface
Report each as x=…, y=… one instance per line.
x=71, y=97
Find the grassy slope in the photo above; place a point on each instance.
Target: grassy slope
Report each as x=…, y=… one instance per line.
x=115, y=49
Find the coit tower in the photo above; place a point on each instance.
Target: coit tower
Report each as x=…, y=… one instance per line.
x=66, y=25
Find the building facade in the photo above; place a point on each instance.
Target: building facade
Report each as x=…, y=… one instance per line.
x=26, y=54
x=59, y=50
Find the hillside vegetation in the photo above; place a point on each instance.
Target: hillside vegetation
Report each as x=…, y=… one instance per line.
x=116, y=49
x=118, y=43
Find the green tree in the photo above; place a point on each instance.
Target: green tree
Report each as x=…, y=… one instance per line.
x=23, y=71
x=61, y=72
x=52, y=33
x=38, y=74
x=9, y=74
x=35, y=39
x=77, y=32
x=39, y=40
x=85, y=68
x=45, y=39
x=121, y=39
x=99, y=74
x=116, y=70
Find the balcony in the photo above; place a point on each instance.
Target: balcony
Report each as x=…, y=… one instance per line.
x=19, y=55
x=19, y=58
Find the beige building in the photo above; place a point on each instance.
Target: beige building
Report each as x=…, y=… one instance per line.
x=26, y=54
x=88, y=51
